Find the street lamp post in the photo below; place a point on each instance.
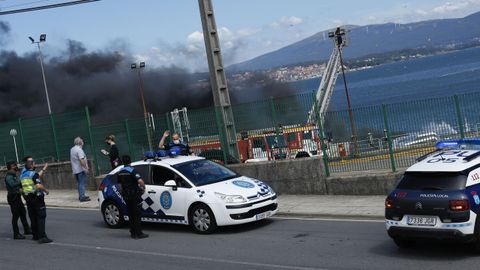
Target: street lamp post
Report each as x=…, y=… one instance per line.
x=13, y=133
x=43, y=38
x=142, y=96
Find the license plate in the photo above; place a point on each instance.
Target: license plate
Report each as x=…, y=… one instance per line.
x=263, y=215
x=422, y=221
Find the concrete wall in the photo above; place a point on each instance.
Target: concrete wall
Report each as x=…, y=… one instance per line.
x=307, y=176
x=58, y=176
x=363, y=183
x=295, y=176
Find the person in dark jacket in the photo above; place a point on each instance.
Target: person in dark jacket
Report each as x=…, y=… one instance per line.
x=14, y=199
x=113, y=152
x=133, y=187
x=177, y=146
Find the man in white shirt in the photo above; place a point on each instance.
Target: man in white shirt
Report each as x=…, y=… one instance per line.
x=79, y=167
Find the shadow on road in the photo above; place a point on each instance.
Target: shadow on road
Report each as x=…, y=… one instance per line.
x=245, y=227
x=177, y=228
x=425, y=250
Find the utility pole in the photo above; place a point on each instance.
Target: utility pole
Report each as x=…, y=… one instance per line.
x=43, y=38
x=144, y=106
x=218, y=79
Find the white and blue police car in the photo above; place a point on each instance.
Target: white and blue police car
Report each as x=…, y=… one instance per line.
x=192, y=191
x=438, y=196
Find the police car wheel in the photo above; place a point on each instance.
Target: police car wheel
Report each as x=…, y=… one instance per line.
x=403, y=243
x=111, y=215
x=476, y=240
x=202, y=219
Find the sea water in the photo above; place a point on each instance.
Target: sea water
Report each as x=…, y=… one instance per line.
x=426, y=77
x=407, y=88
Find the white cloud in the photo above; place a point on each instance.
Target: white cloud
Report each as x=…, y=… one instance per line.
x=337, y=22
x=225, y=34
x=292, y=20
x=286, y=21
x=450, y=6
x=195, y=37
x=141, y=58
x=407, y=13
x=248, y=32
x=191, y=54
x=421, y=12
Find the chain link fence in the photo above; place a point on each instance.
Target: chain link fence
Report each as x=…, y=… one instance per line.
x=384, y=137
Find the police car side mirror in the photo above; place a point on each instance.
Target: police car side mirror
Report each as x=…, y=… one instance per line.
x=172, y=184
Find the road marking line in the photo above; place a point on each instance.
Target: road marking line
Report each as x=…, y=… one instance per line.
x=177, y=256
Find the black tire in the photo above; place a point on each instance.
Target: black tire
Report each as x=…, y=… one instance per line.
x=112, y=215
x=404, y=243
x=201, y=219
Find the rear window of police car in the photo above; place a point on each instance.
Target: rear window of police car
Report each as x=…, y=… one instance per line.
x=433, y=181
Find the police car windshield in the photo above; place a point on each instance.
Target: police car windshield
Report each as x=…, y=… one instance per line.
x=433, y=181
x=204, y=172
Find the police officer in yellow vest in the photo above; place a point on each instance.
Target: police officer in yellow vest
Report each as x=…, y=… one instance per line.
x=34, y=193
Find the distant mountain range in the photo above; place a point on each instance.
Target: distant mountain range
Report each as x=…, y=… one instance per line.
x=372, y=39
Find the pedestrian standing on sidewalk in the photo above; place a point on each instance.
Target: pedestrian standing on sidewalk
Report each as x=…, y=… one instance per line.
x=34, y=192
x=113, y=152
x=133, y=187
x=14, y=199
x=79, y=163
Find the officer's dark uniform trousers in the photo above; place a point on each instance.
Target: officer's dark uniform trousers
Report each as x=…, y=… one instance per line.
x=37, y=213
x=18, y=212
x=134, y=206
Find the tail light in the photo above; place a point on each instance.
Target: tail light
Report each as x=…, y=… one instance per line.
x=389, y=204
x=459, y=205
x=101, y=187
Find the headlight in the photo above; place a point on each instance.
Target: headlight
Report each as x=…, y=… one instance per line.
x=230, y=198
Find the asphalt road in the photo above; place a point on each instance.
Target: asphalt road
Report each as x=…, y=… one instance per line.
x=83, y=242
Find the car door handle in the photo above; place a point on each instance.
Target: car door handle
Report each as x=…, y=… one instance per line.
x=152, y=192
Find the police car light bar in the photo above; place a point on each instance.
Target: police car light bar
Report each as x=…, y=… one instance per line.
x=150, y=155
x=457, y=143
x=160, y=154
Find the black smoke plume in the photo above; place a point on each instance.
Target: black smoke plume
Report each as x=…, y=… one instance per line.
x=103, y=81
x=4, y=31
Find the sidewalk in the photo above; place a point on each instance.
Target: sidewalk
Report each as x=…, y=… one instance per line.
x=289, y=205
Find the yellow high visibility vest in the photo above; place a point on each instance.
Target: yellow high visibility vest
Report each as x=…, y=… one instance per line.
x=26, y=179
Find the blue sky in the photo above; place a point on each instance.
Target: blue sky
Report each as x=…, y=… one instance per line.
x=167, y=32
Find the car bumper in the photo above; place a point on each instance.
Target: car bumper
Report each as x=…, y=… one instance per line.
x=249, y=213
x=462, y=231
x=440, y=234
x=100, y=199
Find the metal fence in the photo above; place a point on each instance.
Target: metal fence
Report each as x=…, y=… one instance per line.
x=386, y=137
